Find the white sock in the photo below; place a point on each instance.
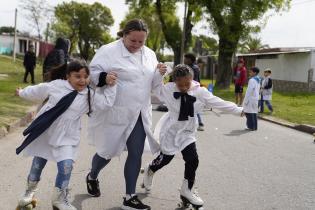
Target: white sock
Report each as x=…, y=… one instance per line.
x=128, y=196
x=90, y=178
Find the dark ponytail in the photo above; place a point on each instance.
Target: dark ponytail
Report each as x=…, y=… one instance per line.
x=133, y=25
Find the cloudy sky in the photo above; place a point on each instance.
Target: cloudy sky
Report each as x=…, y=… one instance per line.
x=294, y=28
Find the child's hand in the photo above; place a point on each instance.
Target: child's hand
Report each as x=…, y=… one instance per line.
x=111, y=78
x=242, y=114
x=162, y=68
x=17, y=91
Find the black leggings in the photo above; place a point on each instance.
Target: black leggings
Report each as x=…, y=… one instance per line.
x=190, y=157
x=31, y=71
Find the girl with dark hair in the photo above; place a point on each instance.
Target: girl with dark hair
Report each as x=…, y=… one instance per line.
x=55, y=133
x=128, y=122
x=177, y=129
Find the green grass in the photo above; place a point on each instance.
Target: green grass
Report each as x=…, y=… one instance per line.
x=12, y=107
x=294, y=107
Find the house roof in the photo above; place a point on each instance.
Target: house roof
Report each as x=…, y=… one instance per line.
x=277, y=51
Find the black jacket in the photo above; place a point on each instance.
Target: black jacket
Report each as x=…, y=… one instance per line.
x=29, y=60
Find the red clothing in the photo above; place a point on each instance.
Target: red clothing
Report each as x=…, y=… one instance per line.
x=240, y=76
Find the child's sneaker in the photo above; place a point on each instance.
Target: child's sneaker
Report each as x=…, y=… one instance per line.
x=134, y=204
x=93, y=187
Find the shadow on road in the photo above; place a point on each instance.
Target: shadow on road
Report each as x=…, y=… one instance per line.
x=78, y=200
x=237, y=132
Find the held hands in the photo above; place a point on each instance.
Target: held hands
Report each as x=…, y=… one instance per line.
x=111, y=78
x=162, y=68
x=242, y=114
x=17, y=91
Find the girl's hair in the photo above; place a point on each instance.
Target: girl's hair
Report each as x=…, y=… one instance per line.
x=133, y=25
x=76, y=66
x=181, y=70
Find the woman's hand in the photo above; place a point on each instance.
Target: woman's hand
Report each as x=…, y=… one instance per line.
x=17, y=91
x=111, y=78
x=162, y=68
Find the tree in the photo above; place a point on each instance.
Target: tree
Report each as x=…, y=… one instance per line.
x=231, y=20
x=204, y=45
x=155, y=39
x=36, y=11
x=170, y=24
x=84, y=24
x=6, y=30
x=252, y=44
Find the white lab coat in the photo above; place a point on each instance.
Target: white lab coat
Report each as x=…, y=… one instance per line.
x=61, y=140
x=175, y=135
x=109, y=130
x=250, y=103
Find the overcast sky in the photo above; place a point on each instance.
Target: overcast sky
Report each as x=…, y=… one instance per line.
x=294, y=28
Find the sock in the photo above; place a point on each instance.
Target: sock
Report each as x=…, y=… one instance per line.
x=128, y=196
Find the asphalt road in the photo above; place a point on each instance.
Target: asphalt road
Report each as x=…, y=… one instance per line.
x=272, y=168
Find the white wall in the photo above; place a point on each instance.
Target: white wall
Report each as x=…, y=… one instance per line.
x=313, y=64
x=6, y=42
x=289, y=67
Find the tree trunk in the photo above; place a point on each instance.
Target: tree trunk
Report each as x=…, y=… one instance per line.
x=224, y=74
x=176, y=56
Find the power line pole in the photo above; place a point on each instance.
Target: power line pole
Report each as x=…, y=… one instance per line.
x=14, y=41
x=183, y=35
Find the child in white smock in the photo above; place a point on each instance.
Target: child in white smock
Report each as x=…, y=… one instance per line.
x=55, y=133
x=177, y=128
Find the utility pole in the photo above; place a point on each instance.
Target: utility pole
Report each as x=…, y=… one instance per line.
x=14, y=41
x=183, y=35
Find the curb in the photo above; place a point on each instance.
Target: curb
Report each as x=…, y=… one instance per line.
x=28, y=117
x=300, y=127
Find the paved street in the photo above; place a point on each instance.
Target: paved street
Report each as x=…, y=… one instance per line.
x=272, y=168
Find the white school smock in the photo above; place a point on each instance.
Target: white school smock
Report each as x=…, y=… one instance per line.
x=266, y=93
x=61, y=140
x=175, y=135
x=109, y=130
x=250, y=103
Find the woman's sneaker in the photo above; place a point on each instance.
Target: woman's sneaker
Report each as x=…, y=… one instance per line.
x=93, y=186
x=134, y=204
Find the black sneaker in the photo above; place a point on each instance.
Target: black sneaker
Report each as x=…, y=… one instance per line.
x=134, y=204
x=93, y=187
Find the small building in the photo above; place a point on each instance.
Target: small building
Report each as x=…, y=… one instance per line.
x=23, y=41
x=292, y=68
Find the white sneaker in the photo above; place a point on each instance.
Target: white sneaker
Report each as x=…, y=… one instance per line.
x=147, y=178
x=28, y=196
x=60, y=200
x=192, y=197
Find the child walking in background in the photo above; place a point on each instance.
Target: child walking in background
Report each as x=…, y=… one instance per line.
x=55, y=133
x=251, y=99
x=266, y=91
x=177, y=128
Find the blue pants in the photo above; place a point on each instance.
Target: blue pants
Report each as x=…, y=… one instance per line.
x=64, y=171
x=268, y=103
x=135, y=145
x=251, y=120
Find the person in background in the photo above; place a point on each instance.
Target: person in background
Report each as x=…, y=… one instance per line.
x=29, y=64
x=190, y=60
x=55, y=63
x=251, y=99
x=239, y=81
x=266, y=91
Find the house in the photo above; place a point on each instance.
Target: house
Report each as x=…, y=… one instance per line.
x=23, y=41
x=292, y=68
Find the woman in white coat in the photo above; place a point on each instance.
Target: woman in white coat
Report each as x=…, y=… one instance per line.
x=251, y=99
x=128, y=122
